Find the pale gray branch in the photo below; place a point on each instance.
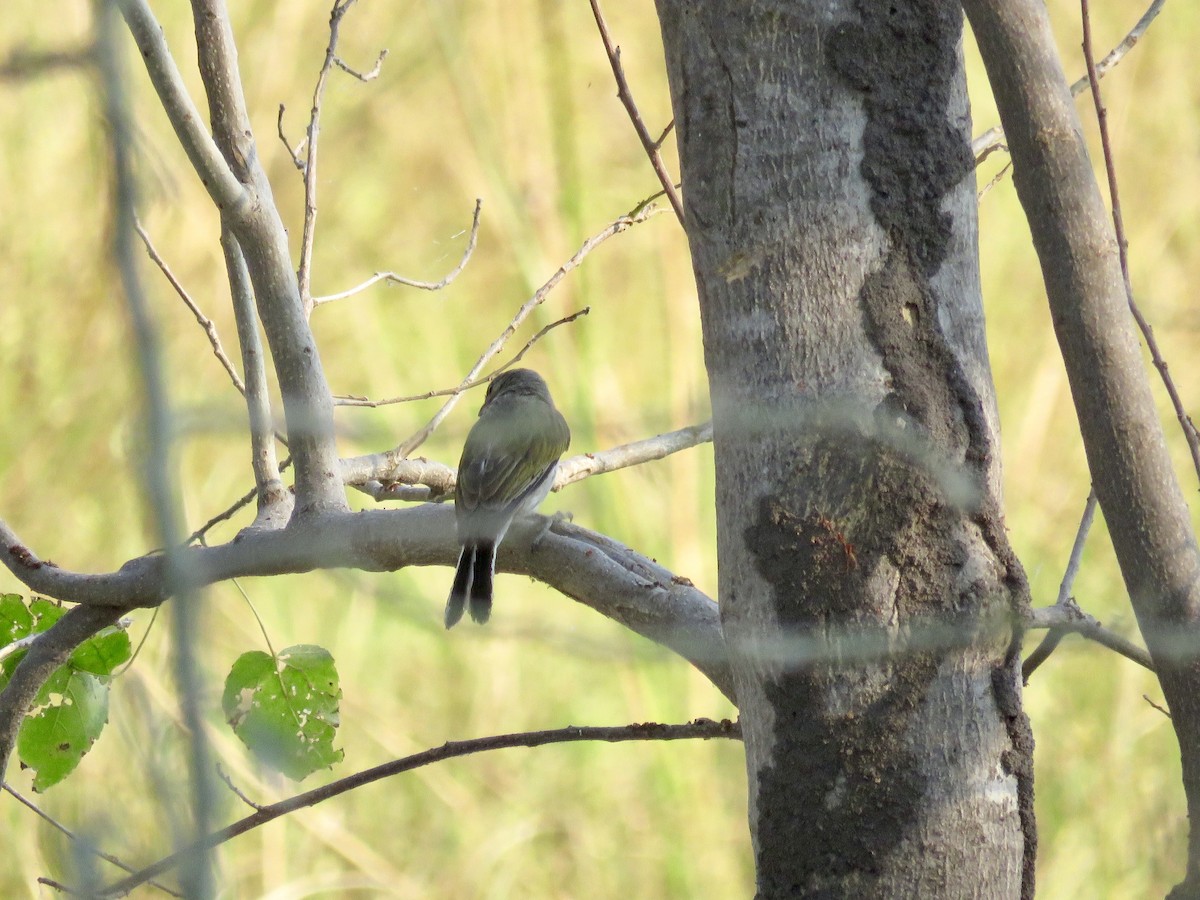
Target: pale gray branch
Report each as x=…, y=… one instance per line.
x=393, y=278
x=993, y=139
x=479, y=382
x=263, y=239
x=391, y=469
x=214, y=339
x=584, y=466
x=1068, y=617
x=589, y=567
x=274, y=499
x=624, y=222
x=223, y=187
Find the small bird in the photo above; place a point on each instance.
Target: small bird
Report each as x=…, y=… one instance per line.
x=507, y=468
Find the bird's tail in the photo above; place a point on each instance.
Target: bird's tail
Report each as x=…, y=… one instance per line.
x=456, y=603
x=479, y=591
x=472, y=584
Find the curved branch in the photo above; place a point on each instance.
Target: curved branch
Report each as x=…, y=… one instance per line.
x=703, y=729
x=588, y=567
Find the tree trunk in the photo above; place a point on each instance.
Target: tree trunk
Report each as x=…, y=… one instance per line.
x=868, y=591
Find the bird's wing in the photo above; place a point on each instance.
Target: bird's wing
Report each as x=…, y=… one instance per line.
x=508, y=458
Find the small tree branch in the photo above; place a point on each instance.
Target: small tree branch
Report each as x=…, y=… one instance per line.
x=993, y=139
x=448, y=392
x=393, y=278
x=274, y=499
x=214, y=339
x=226, y=191
x=23, y=64
x=538, y=298
x=1069, y=618
x=1051, y=641
x=259, y=230
x=297, y=160
x=588, y=567
x=650, y=145
x=71, y=836
x=586, y=465
x=369, y=75
x=159, y=483
x=702, y=729
x=340, y=8
x=439, y=478
x=1110, y=168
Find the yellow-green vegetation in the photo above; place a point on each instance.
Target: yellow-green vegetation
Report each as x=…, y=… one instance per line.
x=513, y=103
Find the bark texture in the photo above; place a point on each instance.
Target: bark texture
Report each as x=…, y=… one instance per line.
x=866, y=584
x=1126, y=451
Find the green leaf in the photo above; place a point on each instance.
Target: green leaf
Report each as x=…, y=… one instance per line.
x=70, y=713
x=285, y=710
x=102, y=653
x=71, y=709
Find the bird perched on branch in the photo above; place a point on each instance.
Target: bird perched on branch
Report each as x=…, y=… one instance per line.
x=507, y=468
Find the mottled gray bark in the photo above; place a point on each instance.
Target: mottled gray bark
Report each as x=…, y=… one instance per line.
x=1122, y=434
x=830, y=205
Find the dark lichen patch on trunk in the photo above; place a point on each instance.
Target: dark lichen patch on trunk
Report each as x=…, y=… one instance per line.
x=846, y=790
x=902, y=57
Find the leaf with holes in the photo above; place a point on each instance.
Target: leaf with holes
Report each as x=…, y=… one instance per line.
x=285, y=709
x=71, y=709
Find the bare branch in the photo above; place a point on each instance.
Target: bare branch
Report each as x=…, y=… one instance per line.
x=87, y=845
x=274, y=500
x=263, y=239
x=650, y=145
x=214, y=339
x=226, y=515
x=702, y=729
x=597, y=571
x=223, y=187
x=297, y=161
x=1093, y=78
x=1070, y=618
x=578, y=468
x=643, y=213
x=340, y=8
x=993, y=139
x=448, y=392
x=363, y=76
x=1051, y=641
x=393, y=278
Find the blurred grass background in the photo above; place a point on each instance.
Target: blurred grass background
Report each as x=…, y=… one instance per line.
x=514, y=103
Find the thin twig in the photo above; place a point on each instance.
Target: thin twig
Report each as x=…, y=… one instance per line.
x=297, y=160
x=393, y=278
x=370, y=75
x=996, y=179
x=350, y=400
x=993, y=139
x=705, y=729
x=1071, y=618
x=54, y=823
x=538, y=298
x=244, y=501
x=1189, y=429
x=225, y=777
x=650, y=145
x=1161, y=709
x=586, y=465
x=304, y=273
x=1052, y=639
x=204, y=321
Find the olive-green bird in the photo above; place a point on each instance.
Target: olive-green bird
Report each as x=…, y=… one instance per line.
x=507, y=468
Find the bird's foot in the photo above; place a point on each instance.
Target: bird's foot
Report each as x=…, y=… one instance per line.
x=548, y=522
